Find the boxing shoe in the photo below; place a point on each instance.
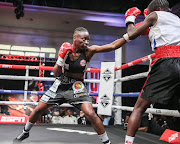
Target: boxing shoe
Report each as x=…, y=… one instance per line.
x=107, y=142
x=21, y=137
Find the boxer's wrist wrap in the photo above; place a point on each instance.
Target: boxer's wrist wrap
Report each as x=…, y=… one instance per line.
x=126, y=37
x=60, y=62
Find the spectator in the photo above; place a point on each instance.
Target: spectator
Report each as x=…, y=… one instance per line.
x=126, y=120
x=68, y=118
x=81, y=119
x=144, y=123
x=56, y=118
x=153, y=125
x=61, y=111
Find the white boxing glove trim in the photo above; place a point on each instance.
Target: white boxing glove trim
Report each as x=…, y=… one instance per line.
x=126, y=37
x=60, y=61
x=130, y=19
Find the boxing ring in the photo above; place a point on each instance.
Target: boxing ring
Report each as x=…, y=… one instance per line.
x=115, y=133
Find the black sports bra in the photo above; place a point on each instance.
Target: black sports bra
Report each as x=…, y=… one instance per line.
x=77, y=66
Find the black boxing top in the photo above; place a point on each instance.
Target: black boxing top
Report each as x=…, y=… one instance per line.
x=77, y=66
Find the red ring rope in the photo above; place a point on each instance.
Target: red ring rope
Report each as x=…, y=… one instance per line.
x=143, y=59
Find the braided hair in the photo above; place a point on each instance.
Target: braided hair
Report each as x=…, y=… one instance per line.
x=155, y=4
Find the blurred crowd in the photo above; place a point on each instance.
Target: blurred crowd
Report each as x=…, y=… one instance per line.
x=155, y=124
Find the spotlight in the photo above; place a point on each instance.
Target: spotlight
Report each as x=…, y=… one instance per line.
x=19, y=10
x=51, y=73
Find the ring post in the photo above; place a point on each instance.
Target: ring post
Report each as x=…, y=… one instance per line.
x=26, y=85
x=118, y=87
x=106, y=88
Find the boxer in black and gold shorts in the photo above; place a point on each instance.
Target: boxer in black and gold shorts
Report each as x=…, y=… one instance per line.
x=69, y=87
x=69, y=90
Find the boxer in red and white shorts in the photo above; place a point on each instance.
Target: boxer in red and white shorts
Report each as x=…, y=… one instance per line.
x=163, y=82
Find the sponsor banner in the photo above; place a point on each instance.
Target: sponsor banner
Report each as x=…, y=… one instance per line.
x=171, y=136
x=13, y=119
x=106, y=88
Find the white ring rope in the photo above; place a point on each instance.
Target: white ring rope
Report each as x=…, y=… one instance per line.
x=17, y=103
x=164, y=112
x=11, y=77
x=132, y=77
x=127, y=78
x=28, y=103
x=92, y=80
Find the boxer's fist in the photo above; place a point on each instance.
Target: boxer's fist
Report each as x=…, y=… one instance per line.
x=65, y=47
x=63, y=51
x=132, y=14
x=145, y=12
x=144, y=33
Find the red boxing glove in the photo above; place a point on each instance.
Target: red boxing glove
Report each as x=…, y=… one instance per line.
x=63, y=51
x=132, y=14
x=65, y=47
x=145, y=12
x=144, y=33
